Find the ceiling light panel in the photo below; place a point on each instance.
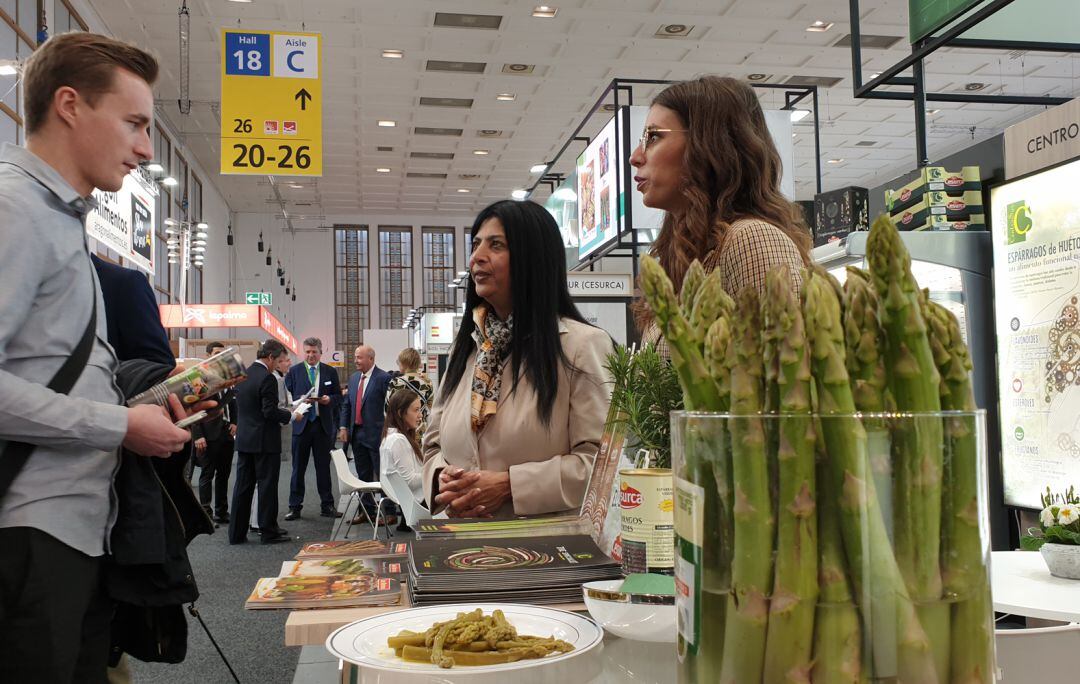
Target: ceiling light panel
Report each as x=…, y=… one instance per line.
x=819, y=81
x=518, y=69
x=456, y=67
x=431, y=155
x=674, y=31
x=869, y=40
x=425, y=130
x=470, y=21
x=446, y=102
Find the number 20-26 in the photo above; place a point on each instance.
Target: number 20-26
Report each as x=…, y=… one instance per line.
x=254, y=156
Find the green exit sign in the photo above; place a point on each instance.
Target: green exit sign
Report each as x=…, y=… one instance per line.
x=264, y=298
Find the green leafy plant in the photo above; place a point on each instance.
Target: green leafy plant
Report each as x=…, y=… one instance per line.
x=1059, y=522
x=646, y=391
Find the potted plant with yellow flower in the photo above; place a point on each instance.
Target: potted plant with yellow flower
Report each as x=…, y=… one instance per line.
x=1058, y=536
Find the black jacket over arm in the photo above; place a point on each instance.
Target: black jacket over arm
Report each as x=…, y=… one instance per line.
x=134, y=323
x=148, y=573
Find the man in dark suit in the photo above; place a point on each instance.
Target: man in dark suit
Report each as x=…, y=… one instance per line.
x=315, y=432
x=258, y=447
x=362, y=416
x=134, y=323
x=213, y=442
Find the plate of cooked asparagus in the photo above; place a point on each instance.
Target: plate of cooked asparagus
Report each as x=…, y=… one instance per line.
x=466, y=638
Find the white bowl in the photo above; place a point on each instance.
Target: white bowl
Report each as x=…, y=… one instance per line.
x=641, y=617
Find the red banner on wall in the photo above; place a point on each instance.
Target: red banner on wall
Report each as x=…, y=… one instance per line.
x=275, y=327
x=209, y=316
x=227, y=316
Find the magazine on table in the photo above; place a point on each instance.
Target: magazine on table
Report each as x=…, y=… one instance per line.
x=325, y=591
x=357, y=548
x=397, y=568
x=549, y=569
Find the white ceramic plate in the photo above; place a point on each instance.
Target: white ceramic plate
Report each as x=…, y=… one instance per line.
x=364, y=642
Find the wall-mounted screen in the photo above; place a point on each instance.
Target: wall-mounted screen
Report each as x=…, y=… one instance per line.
x=598, y=191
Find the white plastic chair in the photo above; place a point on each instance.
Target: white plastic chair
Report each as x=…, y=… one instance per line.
x=355, y=487
x=398, y=491
x=1036, y=656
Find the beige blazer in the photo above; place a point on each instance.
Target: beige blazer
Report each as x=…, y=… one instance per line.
x=549, y=465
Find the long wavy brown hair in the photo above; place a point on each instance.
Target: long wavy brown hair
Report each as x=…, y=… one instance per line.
x=396, y=407
x=732, y=172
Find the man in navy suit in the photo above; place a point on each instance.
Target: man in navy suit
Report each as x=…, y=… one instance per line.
x=258, y=447
x=315, y=433
x=362, y=415
x=134, y=323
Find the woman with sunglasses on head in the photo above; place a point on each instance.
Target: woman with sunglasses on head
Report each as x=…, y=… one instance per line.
x=519, y=417
x=707, y=159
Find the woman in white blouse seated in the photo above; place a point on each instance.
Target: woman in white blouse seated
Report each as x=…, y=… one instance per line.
x=400, y=450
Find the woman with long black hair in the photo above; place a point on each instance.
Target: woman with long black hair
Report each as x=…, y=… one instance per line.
x=518, y=419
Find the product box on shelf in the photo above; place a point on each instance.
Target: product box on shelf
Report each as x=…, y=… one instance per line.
x=939, y=222
x=839, y=212
x=933, y=179
x=961, y=207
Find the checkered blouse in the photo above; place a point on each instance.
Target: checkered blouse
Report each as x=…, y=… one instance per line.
x=753, y=247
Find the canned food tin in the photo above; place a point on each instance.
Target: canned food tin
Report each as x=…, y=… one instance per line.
x=646, y=500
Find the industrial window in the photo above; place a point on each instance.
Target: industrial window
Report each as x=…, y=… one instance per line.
x=438, y=264
x=351, y=302
x=395, y=275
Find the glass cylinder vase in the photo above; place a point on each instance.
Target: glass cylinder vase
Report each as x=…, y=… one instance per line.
x=832, y=548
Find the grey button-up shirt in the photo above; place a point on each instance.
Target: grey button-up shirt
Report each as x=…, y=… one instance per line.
x=47, y=283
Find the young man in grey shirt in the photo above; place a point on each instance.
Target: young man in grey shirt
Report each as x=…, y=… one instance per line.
x=88, y=110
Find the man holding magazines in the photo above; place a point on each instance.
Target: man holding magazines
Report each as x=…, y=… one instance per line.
x=88, y=112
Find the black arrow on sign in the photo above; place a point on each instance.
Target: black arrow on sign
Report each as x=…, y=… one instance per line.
x=303, y=96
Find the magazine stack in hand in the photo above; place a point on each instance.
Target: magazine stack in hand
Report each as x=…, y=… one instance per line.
x=539, y=570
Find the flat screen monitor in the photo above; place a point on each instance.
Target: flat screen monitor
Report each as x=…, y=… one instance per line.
x=598, y=191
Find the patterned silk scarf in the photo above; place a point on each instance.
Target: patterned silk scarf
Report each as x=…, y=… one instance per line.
x=492, y=338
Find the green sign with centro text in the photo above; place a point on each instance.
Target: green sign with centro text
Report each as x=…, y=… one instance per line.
x=927, y=16
x=263, y=298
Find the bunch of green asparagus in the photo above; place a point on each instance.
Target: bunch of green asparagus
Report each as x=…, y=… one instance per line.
x=828, y=521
